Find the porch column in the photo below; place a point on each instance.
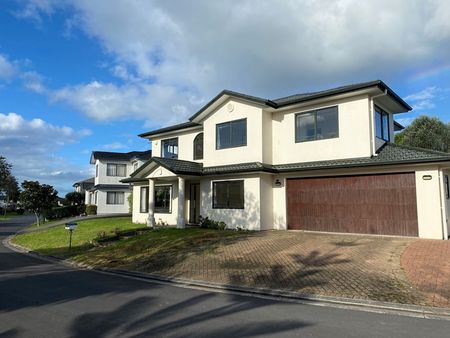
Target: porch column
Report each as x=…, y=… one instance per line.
x=181, y=224
x=151, y=204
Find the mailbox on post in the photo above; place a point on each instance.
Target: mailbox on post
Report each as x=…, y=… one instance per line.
x=71, y=227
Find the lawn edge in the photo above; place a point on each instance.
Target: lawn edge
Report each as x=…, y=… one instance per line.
x=275, y=294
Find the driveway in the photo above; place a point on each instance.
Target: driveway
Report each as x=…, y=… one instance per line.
x=350, y=266
x=41, y=299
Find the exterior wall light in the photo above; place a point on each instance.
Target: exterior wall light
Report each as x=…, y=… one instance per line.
x=278, y=183
x=427, y=177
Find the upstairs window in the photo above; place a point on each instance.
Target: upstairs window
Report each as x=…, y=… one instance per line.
x=381, y=124
x=163, y=196
x=114, y=169
x=228, y=195
x=231, y=134
x=317, y=124
x=169, y=148
x=198, y=147
x=135, y=166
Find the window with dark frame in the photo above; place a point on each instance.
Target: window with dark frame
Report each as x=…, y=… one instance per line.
x=198, y=147
x=228, y=195
x=447, y=187
x=381, y=124
x=163, y=195
x=169, y=148
x=114, y=169
x=231, y=134
x=319, y=124
x=115, y=197
x=144, y=200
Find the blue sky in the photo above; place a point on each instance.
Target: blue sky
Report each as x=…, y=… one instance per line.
x=91, y=75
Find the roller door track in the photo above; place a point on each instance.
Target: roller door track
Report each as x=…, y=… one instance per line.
x=382, y=204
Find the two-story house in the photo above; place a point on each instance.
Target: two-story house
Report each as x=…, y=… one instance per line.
x=83, y=187
x=109, y=194
x=321, y=161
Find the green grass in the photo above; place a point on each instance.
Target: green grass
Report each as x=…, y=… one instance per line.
x=148, y=251
x=54, y=241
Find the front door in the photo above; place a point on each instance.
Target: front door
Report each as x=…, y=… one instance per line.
x=194, y=203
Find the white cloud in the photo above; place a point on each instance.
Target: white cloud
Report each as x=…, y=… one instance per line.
x=31, y=147
x=7, y=68
x=424, y=99
x=107, y=101
x=173, y=56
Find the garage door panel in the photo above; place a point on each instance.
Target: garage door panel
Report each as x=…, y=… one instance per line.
x=372, y=204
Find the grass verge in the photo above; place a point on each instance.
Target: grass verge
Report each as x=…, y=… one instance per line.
x=146, y=251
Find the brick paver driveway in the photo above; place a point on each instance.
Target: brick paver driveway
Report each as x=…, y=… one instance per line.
x=427, y=265
x=350, y=266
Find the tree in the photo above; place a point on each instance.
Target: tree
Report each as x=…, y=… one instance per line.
x=426, y=132
x=38, y=198
x=11, y=187
x=5, y=169
x=74, y=198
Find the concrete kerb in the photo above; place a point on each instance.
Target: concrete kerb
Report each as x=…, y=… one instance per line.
x=274, y=294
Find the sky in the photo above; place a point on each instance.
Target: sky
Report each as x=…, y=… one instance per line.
x=78, y=76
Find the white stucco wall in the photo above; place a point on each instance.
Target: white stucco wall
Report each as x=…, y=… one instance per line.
x=249, y=217
x=252, y=152
x=353, y=140
x=429, y=204
x=185, y=144
x=169, y=218
x=103, y=208
x=102, y=178
x=266, y=198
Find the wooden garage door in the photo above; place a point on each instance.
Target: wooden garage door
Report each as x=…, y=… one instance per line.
x=369, y=204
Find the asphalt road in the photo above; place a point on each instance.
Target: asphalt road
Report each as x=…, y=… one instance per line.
x=41, y=299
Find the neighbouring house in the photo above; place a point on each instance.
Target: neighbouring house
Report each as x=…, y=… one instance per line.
x=321, y=161
x=84, y=187
x=108, y=193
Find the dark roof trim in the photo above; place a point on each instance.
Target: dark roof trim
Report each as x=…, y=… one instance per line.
x=161, y=161
x=111, y=186
x=90, y=180
x=234, y=94
x=116, y=156
x=398, y=126
x=175, y=127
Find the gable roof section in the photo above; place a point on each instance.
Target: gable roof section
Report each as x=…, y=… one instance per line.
x=109, y=155
x=87, y=181
x=175, y=127
x=281, y=102
x=388, y=154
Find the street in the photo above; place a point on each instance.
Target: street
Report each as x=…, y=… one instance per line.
x=42, y=299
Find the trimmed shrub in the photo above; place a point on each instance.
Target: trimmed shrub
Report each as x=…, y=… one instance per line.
x=20, y=211
x=64, y=212
x=208, y=223
x=91, y=209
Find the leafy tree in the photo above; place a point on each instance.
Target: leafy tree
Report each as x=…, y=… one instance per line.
x=37, y=198
x=11, y=187
x=74, y=198
x=5, y=169
x=426, y=132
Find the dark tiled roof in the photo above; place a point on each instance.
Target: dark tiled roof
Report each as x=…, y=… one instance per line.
x=175, y=127
x=388, y=154
x=85, y=182
x=179, y=166
x=238, y=168
x=111, y=187
x=109, y=155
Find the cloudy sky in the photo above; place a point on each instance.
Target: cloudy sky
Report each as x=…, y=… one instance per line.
x=77, y=76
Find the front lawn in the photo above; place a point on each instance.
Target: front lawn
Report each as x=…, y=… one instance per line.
x=54, y=241
x=145, y=251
